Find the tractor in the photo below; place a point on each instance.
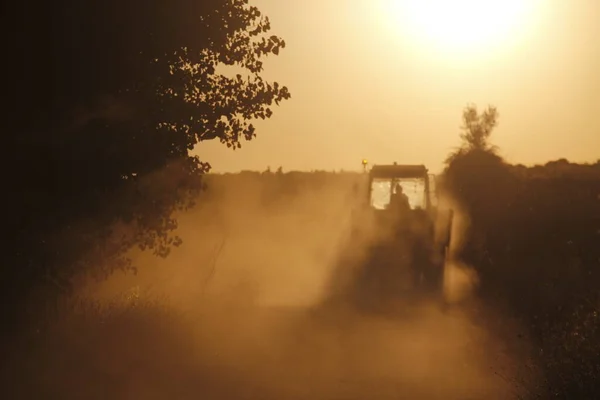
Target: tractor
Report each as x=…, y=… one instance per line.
x=396, y=251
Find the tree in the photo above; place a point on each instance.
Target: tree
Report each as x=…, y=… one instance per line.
x=476, y=131
x=476, y=157
x=109, y=98
x=478, y=127
x=480, y=181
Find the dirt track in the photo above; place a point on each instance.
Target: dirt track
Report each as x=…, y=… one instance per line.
x=294, y=354
x=247, y=343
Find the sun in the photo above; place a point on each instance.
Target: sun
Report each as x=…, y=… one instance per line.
x=459, y=25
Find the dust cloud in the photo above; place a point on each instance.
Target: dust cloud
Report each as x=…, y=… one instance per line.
x=245, y=317
x=460, y=280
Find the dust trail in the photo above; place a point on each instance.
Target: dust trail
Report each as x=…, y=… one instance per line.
x=246, y=289
x=460, y=280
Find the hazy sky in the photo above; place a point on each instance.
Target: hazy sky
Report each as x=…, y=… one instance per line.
x=368, y=82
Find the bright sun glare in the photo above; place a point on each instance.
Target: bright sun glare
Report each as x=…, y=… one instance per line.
x=460, y=25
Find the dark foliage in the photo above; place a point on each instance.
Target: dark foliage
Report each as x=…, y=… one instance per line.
x=535, y=242
x=108, y=100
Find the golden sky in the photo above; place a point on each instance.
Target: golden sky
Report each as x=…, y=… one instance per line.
x=368, y=81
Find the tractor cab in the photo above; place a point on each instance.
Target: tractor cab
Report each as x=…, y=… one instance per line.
x=401, y=197
x=413, y=180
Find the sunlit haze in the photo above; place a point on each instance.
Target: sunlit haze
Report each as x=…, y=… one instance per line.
x=468, y=26
x=387, y=80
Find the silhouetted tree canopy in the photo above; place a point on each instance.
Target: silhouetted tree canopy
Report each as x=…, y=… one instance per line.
x=476, y=131
x=476, y=175
x=108, y=99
